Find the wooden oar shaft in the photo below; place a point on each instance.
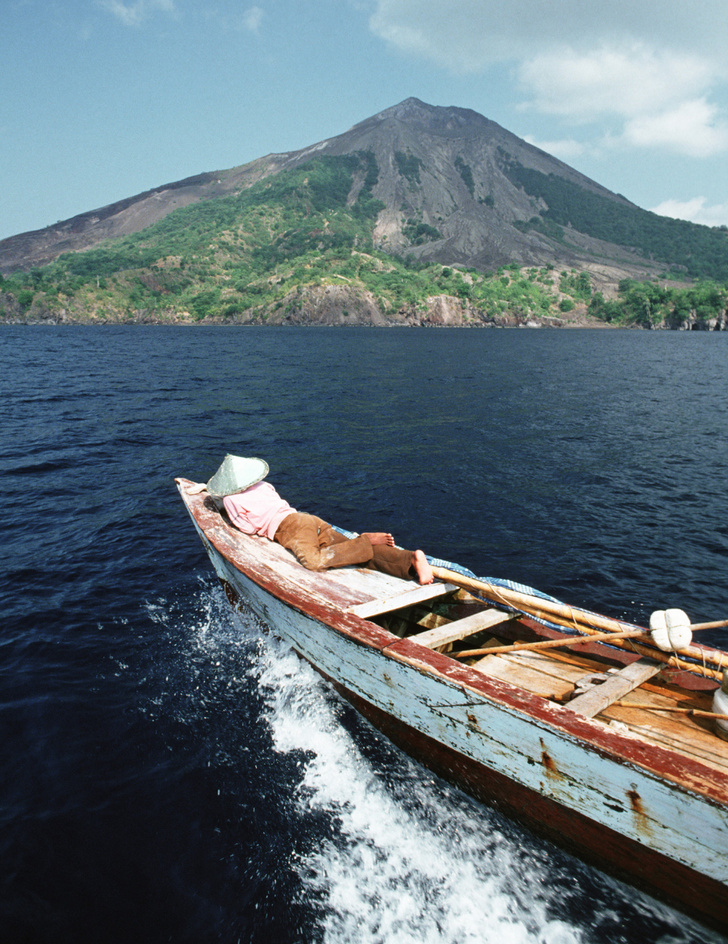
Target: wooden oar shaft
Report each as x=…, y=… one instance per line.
x=696, y=712
x=714, y=625
x=589, y=623
x=550, y=643
x=651, y=652
x=612, y=638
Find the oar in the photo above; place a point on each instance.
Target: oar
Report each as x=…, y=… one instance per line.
x=694, y=712
x=536, y=606
x=550, y=643
x=589, y=623
x=637, y=634
x=714, y=625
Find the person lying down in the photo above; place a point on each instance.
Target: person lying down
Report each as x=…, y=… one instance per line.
x=261, y=510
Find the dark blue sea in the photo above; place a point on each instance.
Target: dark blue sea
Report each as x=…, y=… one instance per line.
x=171, y=772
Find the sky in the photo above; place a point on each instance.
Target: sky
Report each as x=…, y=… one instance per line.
x=103, y=99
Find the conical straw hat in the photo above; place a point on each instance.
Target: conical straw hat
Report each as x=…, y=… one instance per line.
x=235, y=475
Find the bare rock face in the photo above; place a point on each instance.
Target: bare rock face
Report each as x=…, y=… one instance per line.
x=447, y=310
x=443, y=172
x=328, y=305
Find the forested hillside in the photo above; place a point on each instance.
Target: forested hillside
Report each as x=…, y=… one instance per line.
x=698, y=251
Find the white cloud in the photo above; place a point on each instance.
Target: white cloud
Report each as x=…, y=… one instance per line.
x=134, y=14
x=692, y=128
x=471, y=34
x=694, y=210
x=252, y=18
x=656, y=94
x=585, y=60
x=630, y=80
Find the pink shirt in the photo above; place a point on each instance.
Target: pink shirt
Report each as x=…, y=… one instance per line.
x=257, y=510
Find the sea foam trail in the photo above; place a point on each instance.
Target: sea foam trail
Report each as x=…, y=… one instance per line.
x=395, y=872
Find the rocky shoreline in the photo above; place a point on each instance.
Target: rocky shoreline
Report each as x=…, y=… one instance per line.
x=327, y=306
x=338, y=306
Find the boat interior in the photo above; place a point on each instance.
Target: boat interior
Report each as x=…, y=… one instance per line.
x=615, y=686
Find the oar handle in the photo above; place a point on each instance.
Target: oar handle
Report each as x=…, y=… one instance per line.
x=714, y=625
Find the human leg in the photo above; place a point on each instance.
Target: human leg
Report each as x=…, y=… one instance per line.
x=402, y=563
x=318, y=546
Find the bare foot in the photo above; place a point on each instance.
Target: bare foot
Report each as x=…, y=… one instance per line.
x=379, y=537
x=422, y=567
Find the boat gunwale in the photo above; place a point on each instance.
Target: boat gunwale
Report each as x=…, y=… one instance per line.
x=657, y=760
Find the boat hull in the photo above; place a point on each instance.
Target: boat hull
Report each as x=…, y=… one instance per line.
x=613, y=802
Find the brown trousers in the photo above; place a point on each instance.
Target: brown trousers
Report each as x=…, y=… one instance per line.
x=318, y=546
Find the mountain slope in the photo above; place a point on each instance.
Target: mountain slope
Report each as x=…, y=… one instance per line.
x=419, y=215
x=456, y=188
x=442, y=170
x=294, y=248
x=297, y=247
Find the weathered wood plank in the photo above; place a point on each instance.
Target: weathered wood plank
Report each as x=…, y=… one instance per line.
x=459, y=629
x=430, y=620
x=689, y=735
x=367, y=584
x=698, y=742
x=531, y=679
x=621, y=683
x=549, y=666
x=398, y=601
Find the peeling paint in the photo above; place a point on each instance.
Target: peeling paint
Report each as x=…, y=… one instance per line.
x=642, y=822
x=548, y=763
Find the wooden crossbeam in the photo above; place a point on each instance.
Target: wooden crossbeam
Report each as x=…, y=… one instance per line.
x=427, y=592
x=618, y=684
x=459, y=629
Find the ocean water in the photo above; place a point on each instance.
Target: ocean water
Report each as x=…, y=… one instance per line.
x=170, y=770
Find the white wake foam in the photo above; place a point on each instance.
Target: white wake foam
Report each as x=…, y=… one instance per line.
x=397, y=871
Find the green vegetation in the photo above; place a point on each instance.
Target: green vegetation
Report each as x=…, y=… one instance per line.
x=699, y=251
x=253, y=257
x=576, y=284
x=649, y=305
x=222, y=256
x=408, y=166
x=419, y=233
x=248, y=256
x=466, y=173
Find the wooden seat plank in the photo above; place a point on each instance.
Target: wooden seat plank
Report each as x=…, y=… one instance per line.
x=398, y=601
x=620, y=683
x=459, y=629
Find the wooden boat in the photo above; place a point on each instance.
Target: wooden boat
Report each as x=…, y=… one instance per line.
x=608, y=751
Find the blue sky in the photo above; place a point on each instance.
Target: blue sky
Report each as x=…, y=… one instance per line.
x=102, y=99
